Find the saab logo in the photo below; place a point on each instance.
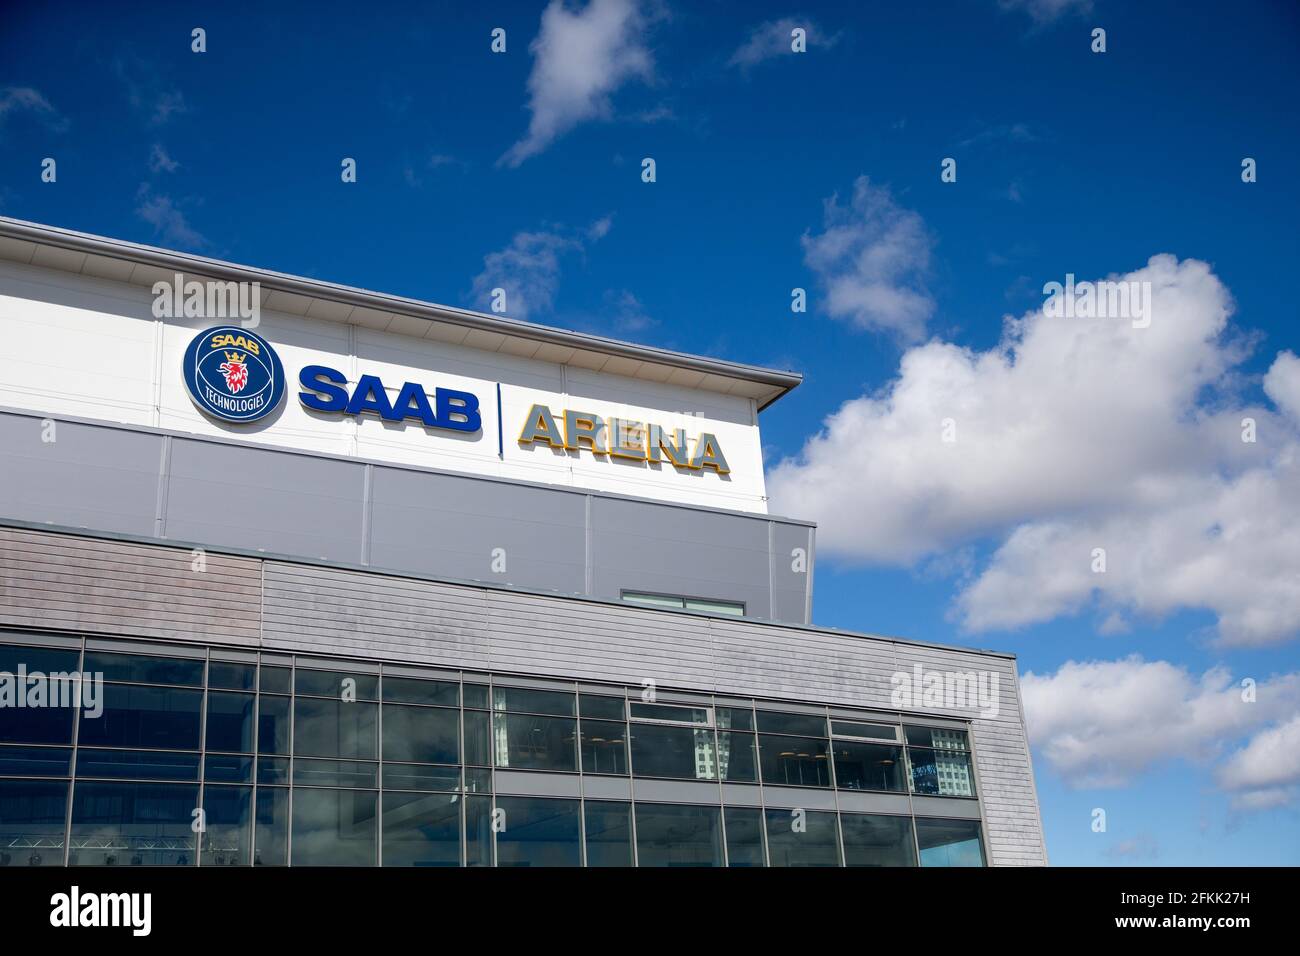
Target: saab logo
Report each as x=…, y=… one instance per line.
x=233, y=374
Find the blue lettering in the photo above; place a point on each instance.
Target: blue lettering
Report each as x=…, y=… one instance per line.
x=458, y=410
x=413, y=392
x=371, y=397
x=326, y=382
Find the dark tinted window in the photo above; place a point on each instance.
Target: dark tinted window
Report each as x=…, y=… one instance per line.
x=145, y=670
x=333, y=728
x=869, y=766
x=33, y=814
x=538, y=832
x=604, y=747
x=523, y=700
x=744, y=836
x=609, y=833
x=232, y=675
x=421, y=734
x=877, y=840
x=608, y=708
x=802, y=838
x=421, y=829
x=660, y=750
x=334, y=827
x=337, y=684
x=678, y=835
x=528, y=742
x=406, y=690
x=166, y=718
x=230, y=721
x=133, y=824
x=776, y=722
x=794, y=761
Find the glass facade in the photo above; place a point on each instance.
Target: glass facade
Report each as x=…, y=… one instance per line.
x=197, y=756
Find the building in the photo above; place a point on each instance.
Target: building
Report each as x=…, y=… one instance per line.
x=355, y=579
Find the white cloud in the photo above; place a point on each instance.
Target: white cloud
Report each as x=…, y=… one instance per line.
x=1266, y=772
x=160, y=160
x=25, y=99
x=1104, y=723
x=773, y=39
x=147, y=91
x=528, y=269
x=580, y=59
x=168, y=220
x=1045, y=11
x=871, y=259
x=1074, y=434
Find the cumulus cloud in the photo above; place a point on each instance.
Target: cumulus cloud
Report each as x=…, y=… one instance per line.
x=1073, y=434
x=773, y=39
x=528, y=269
x=871, y=259
x=1104, y=723
x=580, y=58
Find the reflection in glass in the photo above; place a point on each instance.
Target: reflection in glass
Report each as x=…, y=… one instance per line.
x=537, y=832
x=736, y=761
x=133, y=824
x=137, y=764
x=414, y=776
x=524, y=700
x=334, y=728
x=678, y=835
x=609, y=832
x=478, y=740
x=340, y=684
x=528, y=742
x=421, y=829
x=877, y=840
x=779, y=722
x=421, y=734
x=949, y=842
x=661, y=750
x=273, y=725
x=230, y=722
x=227, y=841
x=145, y=670
x=334, y=773
x=410, y=690
x=478, y=831
x=868, y=766
x=744, y=836
x=333, y=827
x=941, y=773
x=271, y=827
x=232, y=675
x=794, y=761
x=166, y=718
x=802, y=838
x=32, y=816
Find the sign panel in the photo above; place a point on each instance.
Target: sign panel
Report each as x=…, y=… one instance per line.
x=233, y=374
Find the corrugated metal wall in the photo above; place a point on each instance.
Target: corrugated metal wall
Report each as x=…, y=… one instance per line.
x=83, y=584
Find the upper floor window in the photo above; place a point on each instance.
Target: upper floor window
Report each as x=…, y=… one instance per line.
x=681, y=603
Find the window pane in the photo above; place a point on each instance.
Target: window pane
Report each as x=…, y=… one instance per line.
x=744, y=836
x=609, y=833
x=133, y=824
x=604, y=747
x=940, y=773
x=949, y=842
x=145, y=670
x=653, y=600
x=35, y=762
x=715, y=607
x=27, y=714
x=666, y=751
x=678, y=713
x=414, y=776
x=333, y=728
x=39, y=725
x=337, y=684
x=868, y=766
x=776, y=722
x=271, y=830
x=229, y=835
x=854, y=728
x=230, y=722
x=526, y=742
x=42, y=660
x=137, y=716
x=273, y=725
x=232, y=675
x=538, y=832
x=408, y=690
x=333, y=827
x=32, y=816
x=137, y=764
x=522, y=700
x=939, y=738
x=673, y=835
x=609, y=708
x=335, y=773
x=227, y=768
x=735, y=718
x=478, y=831
x=877, y=841
x=794, y=761
x=736, y=759
x=802, y=838
x=476, y=695
x=478, y=780
x=478, y=739
x=273, y=770
x=421, y=734
x=275, y=680
x=421, y=830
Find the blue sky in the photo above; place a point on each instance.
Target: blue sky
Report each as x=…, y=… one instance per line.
x=821, y=171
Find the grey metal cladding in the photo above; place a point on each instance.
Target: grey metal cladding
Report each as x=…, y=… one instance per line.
x=88, y=477
x=144, y=483
x=792, y=550
x=447, y=526
x=251, y=498
x=651, y=547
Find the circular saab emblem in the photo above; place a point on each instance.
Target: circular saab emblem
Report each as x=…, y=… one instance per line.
x=233, y=374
